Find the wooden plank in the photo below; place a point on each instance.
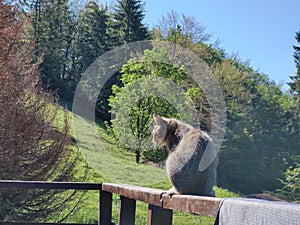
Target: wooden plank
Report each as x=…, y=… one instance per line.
x=127, y=211
x=105, y=208
x=159, y=216
x=207, y=206
x=201, y=205
x=49, y=185
x=148, y=195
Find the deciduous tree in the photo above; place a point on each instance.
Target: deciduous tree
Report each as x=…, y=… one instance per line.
x=136, y=99
x=33, y=145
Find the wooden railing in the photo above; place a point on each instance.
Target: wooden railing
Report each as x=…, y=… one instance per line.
x=12, y=184
x=160, y=205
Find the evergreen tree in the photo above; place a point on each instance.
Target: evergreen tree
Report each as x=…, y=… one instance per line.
x=290, y=190
x=293, y=115
x=53, y=34
x=92, y=39
x=290, y=183
x=295, y=84
x=128, y=21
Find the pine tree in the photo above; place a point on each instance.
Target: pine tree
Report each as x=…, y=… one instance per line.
x=53, y=34
x=129, y=15
x=293, y=115
x=290, y=190
x=295, y=84
x=92, y=39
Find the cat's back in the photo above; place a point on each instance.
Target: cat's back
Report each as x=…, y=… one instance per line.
x=193, y=139
x=189, y=151
x=183, y=165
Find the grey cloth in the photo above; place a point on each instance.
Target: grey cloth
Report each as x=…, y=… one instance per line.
x=235, y=211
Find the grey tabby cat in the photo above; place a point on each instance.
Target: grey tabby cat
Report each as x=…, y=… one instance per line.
x=186, y=146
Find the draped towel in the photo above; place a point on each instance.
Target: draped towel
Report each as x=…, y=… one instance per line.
x=236, y=211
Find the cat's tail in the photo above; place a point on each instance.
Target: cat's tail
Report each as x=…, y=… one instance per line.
x=209, y=155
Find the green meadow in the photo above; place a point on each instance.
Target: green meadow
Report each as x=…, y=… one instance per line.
x=107, y=162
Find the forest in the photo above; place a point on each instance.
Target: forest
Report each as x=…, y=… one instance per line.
x=46, y=47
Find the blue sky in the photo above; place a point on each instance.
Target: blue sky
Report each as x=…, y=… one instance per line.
x=262, y=31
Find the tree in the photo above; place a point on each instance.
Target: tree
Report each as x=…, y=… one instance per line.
x=53, y=32
x=135, y=102
x=181, y=29
x=33, y=146
x=128, y=21
x=123, y=26
x=90, y=41
x=291, y=181
x=290, y=190
x=256, y=152
x=293, y=116
x=295, y=84
x=256, y=111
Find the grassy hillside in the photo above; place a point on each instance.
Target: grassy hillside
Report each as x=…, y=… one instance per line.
x=109, y=163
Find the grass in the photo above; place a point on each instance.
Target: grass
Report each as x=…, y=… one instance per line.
x=109, y=163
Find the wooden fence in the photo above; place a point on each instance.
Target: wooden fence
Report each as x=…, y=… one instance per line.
x=160, y=205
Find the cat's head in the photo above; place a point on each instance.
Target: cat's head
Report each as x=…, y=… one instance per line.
x=160, y=130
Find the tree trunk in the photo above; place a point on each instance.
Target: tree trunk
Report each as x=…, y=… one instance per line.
x=137, y=156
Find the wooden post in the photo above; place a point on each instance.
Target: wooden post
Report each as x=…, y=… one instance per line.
x=158, y=215
x=105, y=208
x=127, y=211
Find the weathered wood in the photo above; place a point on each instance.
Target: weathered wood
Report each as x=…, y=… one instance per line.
x=127, y=211
x=148, y=195
x=159, y=216
x=49, y=185
x=206, y=206
x=160, y=204
x=105, y=208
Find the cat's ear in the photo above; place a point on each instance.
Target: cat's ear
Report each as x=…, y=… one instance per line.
x=158, y=119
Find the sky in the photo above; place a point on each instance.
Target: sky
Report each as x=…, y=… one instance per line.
x=262, y=31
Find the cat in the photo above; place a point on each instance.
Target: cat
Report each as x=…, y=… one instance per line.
x=186, y=146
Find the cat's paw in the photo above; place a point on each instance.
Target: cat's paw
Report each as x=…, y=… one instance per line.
x=172, y=191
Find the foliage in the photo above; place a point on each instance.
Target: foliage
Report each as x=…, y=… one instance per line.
x=290, y=189
x=257, y=114
x=295, y=84
x=257, y=111
x=128, y=21
x=140, y=100
x=143, y=175
x=256, y=151
x=53, y=31
x=291, y=181
x=180, y=29
x=31, y=146
x=293, y=114
x=262, y=121
x=91, y=38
